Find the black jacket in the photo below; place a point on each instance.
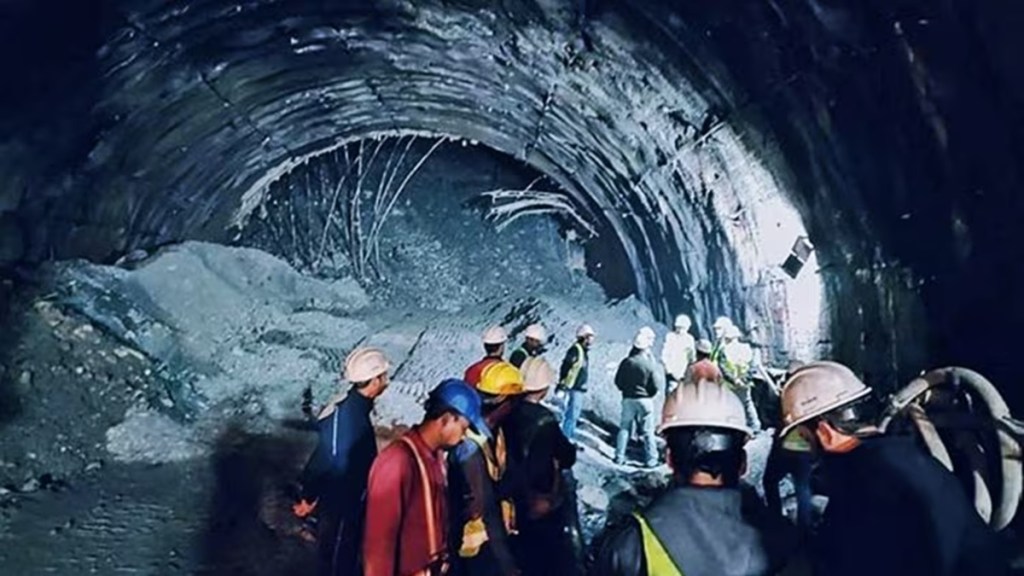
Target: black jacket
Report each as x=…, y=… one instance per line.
x=894, y=510
x=537, y=449
x=706, y=532
x=639, y=375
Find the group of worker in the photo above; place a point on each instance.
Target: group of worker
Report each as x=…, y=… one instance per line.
x=483, y=484
x=639, y=377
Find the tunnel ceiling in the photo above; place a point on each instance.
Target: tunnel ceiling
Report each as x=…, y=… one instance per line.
x=892, y=128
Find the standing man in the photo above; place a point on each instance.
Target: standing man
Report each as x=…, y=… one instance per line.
x=494, y=339
x=534, y=338
x=893, y=509
x=548, y=543
x=572, y=379
x=334, y=480
x=701, y=526
x=678, y=352
x=702, y=369
x=734, y=359
x=722, y=323
x=407, y=508
x=483, y=517
x=639, y=378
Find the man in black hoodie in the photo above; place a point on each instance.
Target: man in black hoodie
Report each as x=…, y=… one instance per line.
x=893, y=510
x=639, y=378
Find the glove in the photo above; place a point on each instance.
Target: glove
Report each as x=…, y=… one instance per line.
x=303, y=509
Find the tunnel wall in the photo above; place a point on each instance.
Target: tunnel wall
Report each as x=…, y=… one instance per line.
x=894, y=128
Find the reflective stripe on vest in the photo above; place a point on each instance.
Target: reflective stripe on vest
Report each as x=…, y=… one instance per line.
x=574, y=371
x=659, y=563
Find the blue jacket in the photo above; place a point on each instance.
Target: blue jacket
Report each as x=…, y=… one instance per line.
x=337, y=472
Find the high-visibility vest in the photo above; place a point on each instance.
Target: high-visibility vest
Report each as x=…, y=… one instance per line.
x=659, y=563
x=574, y=371
x=438, y=562
x=474, y=531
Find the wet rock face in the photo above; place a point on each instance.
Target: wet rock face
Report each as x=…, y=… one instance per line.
x=893, y=129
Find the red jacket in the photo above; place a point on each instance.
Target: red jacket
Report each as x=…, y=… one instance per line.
x=396, y=539
x=474, y=372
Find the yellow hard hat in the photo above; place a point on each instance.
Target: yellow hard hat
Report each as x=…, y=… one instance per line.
x=537, y=374
x=705, y=404
x=501, y=379
x=818, y=388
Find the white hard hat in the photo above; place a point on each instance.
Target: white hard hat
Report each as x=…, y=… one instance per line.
x=365, y=364
x=584, y=330
x=495, y=335
x=722, y=322
x=732, y=331
x=704, y=346
x=682, y=321
x=644, y=339
x=535, y=332
x=704, y=404
x=537, y=374
x=818, y=388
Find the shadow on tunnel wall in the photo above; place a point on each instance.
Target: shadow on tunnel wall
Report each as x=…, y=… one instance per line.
x=250, y=528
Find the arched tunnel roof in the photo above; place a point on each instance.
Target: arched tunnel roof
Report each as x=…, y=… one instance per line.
x=671, y=128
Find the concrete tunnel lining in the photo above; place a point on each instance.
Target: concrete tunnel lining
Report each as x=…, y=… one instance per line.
x=305, y=84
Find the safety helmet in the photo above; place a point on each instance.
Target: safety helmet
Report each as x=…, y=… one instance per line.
x=732, y=331
x=644, y=339
x=584, y=330
x=461, y=398
x=537, y=374
x=365, y=364
x=535, y=332
x=495, y=335
x=682, y=321
x=816, y=389
x=722, y=322
x=704, y=346
x=500, y=379
x=704, y=405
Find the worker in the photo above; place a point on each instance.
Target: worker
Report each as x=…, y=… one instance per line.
x=893, y=509
x=790, y=455
x=572, y=379
x=534, y=338
x=334, y=479
x=406, y=503
x=548, y=541
x=678, y=352
x=494, y=339
x=483, y=515
x=702, y=526
x=722, y=323
x=734, y=358
x=638, y=378
x=701, y=369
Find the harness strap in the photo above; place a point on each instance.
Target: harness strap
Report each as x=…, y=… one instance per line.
x=432, y=538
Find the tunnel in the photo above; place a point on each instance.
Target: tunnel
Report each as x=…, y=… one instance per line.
x=204, y=205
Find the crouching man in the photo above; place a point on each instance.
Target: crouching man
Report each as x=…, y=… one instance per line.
x=699, y=527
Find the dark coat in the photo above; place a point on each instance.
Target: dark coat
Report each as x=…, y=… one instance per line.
x=639, y=375
x=894, y=510
x=706, y=532
x=336, y=476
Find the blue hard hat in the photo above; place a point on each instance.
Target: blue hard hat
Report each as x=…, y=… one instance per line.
x=463, y=399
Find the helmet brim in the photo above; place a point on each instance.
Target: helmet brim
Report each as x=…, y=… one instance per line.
x=823, y=410
x=705, y=424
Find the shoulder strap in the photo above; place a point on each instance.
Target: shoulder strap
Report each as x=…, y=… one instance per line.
x=659, y=563
x=432, y=541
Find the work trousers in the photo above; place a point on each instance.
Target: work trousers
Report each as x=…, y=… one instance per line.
x=571, y=411
x=638, y=411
